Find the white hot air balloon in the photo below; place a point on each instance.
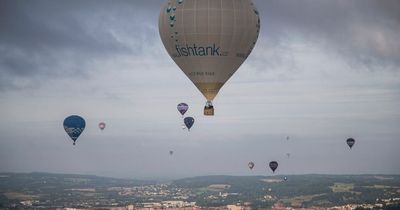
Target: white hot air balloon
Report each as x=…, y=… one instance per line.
x=209, y=40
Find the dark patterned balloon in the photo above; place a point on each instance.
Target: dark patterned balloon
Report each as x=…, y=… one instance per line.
x=189, y=121
x=251, y=165
x=74, y=126
x=350, y=142
x=273, y=165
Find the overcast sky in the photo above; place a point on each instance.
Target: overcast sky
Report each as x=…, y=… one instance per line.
x=321, y=71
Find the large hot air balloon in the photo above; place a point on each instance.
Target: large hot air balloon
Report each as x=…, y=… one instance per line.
x=74, y=126
x=102, y=125
x=189, y=121
x=209, y=40
x=251, y=165
x=182, y=108
x=350, y=142
x=273, y=165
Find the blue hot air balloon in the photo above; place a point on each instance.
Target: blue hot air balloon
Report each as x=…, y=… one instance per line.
x=189, y=121
x=182, y=108
x=74, y=126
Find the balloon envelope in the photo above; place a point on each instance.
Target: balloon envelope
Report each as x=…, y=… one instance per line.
x=251, y=165
x=102, y=125
x=209, y=40
x=273, y=165
x=182, y=108
x=350, y=142
x=74, y=126
x=189, y=121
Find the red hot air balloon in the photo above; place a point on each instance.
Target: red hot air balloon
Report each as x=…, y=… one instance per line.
x=102, y=125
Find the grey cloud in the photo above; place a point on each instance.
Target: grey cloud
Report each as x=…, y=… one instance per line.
x=364, y=33
x=40, y=40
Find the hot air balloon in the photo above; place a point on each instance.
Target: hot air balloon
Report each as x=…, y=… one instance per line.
x=182, y=108
x=251, y=165
x=189, y=121
x=350, y=142
x=171, y=152
x=102, y=125
x=74, y=126
x=288, y=155
x=273, y=165
x=209, y=40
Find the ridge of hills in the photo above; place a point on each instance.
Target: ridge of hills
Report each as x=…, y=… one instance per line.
x=86, y=191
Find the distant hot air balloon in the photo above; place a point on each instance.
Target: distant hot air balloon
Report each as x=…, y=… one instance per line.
x=209, y=40
x=273, y=165
x=350, y=142
x=285, y=178
x=102, y=125
x=171, y=152
x=182, y=108
x=251, y=165
x=287, y=137
x=189, y=121
x=74, y=126
x=288, y=155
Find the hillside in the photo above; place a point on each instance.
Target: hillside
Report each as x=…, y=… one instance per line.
x=44, y=190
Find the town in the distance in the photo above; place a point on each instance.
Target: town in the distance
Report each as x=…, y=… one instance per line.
x=67, y=191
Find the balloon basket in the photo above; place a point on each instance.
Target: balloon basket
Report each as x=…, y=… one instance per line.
x=208, y=111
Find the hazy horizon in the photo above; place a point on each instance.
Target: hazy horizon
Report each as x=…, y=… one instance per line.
x=321, y=72
x=163, y=179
